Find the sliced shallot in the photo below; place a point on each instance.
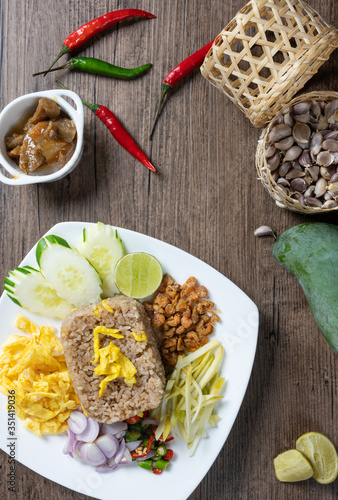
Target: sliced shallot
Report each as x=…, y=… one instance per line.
x=69, y=444
x=119, y=455
x=92, y=455
x=126, y=458
x=150, y=421
x=111, y=465
x=77, y=422
x=91, y=431
x=132, y=445
x=115, y=428
x=76, y=453
x=108, y=444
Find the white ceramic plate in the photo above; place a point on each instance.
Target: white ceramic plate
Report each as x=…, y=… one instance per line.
x=237, y=331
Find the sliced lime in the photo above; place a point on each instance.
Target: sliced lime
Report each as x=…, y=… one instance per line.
x=292, y=466
x=322, y=454
x=138, y=275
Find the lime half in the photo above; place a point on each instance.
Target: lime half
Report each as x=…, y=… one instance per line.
x=322, y=454
x=292, y=466
x=138, y=275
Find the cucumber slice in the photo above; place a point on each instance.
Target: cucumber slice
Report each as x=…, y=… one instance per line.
x=27, y=288
x=72, y=276
x=102, y=246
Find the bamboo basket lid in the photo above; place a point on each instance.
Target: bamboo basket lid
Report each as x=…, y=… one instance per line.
x=267, y=53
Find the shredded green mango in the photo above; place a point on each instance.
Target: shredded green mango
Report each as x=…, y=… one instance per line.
x=191, y=393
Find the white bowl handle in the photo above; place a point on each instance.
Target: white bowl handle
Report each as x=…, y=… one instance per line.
x=69, y=93
x=7, y=180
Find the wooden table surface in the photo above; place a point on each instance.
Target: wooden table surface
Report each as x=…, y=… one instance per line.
x=205, y=199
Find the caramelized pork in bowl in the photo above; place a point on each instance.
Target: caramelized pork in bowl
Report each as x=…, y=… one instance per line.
x=41, y=137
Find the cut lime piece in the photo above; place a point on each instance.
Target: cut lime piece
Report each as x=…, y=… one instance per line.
x=292, y=466
x=138, y=275
x=322, y=454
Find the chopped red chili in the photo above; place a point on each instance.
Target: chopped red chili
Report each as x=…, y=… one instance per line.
x=133, y=420
x=137, y=455
x=155, y=470
x=169, y=455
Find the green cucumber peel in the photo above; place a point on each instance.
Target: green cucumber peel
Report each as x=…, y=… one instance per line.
x=39, y=249
x=49, y=240
x=52, y=239
x=9, y=282
x=22, y=270
x=84, y=234
x=118, y=238
x=26, y=270
x=14, y=300
x=97, y=272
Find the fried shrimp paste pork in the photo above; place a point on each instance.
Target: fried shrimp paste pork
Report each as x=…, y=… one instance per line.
x=113, y=359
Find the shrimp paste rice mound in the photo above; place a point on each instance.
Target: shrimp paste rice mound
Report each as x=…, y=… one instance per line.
x=118, y=400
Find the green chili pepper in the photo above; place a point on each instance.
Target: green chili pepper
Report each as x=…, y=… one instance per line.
x=132, y=435
x=161, y=451
x=136, y=426
x=161, y=464
x=146, y=464
x=98, y=67
x=145, y=442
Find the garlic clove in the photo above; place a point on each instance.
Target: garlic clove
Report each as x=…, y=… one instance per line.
x=264, y=231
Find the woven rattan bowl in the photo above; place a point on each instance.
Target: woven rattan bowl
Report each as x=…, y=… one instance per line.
x=266, y=176
x=267, y=53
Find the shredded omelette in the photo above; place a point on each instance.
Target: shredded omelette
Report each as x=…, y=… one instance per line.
x=35, y=368
x=112, y=362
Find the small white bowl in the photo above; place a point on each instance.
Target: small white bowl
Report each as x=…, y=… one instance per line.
x=21, y=107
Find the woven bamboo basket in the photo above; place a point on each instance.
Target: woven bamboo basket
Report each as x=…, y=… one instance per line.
x=267, y=53
x=264, y=174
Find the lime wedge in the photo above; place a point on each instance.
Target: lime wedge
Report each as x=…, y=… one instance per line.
x=292, y=466
x=322, y=454
x=138, y=275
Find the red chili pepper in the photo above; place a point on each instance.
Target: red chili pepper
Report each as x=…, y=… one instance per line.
x=150, y=442
x=133, y=420
x=118, y=131
x=155, y=470
x=88, y=30
x=169, y=455
x=175, y=75
x=136, y=455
